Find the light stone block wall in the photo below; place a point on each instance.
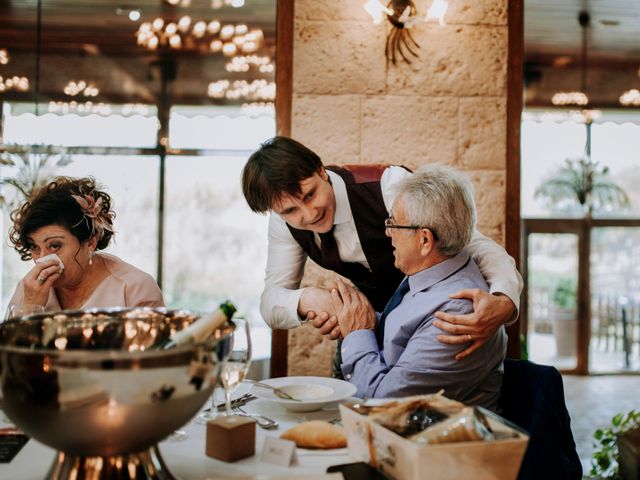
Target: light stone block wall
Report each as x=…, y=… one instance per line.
x=448, y=107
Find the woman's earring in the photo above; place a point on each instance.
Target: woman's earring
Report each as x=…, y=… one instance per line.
x=91, y=257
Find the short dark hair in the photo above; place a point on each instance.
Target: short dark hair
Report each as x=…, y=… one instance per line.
x=54, y=204
x=277, y=168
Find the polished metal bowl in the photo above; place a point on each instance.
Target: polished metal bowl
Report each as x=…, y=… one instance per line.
x=97, y=386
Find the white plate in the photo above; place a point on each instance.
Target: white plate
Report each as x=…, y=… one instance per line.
x=313, y=392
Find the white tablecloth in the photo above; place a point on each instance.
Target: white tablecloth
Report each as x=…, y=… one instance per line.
x=186, y=459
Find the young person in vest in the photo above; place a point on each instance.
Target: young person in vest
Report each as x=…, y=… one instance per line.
x=335, y=216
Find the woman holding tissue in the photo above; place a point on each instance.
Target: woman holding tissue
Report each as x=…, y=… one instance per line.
x=61, y=227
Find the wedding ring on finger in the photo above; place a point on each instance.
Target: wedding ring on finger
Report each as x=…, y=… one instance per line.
x=42, y=279
x=469, y=337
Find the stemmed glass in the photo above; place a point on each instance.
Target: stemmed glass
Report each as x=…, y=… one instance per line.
x=237, y=365
x=17, y=311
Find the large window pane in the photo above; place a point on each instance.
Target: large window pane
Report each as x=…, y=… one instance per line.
x=552, y=322
x=546, y=143
x=615, y=299
x=220, y=128
x=215, y=246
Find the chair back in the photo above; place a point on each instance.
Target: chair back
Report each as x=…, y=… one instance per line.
x=532, y=397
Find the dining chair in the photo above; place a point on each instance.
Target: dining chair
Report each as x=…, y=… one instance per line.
x=532, y=397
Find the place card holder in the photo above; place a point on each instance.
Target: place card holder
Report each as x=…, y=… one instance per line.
x=231, y=438
x=11, y=442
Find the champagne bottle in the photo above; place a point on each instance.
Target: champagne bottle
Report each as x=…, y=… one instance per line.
x=199, y=330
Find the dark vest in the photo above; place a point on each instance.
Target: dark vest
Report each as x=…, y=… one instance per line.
x=369, y=213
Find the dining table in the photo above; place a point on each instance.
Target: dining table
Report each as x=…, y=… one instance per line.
x=186, y=458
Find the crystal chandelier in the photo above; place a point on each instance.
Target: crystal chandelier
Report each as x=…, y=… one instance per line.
x=208, y=35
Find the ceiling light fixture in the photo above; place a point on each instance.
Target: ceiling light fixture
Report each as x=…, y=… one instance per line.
x=217, y=4
x=630, y=98
x=20, y=84
x=199, y=35
x=580, y=97
x=255, y=90
x=74, y=88
x=403, y=15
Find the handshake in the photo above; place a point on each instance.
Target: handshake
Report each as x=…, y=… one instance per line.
x=338, y=310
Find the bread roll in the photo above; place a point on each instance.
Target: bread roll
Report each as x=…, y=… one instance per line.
x=316, y=434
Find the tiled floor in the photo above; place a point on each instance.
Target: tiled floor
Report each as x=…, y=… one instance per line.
x=593, y=401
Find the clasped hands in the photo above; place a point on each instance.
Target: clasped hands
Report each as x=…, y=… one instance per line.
x=341, y=309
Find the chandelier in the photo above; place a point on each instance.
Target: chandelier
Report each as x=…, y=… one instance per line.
x=630, y=98
x=200, y=35
x=579, y=98
x=74, y=88
x=243, y=63
x=233, y=90
x=20, y=84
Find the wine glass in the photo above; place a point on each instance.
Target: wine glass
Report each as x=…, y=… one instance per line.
x=237, y=365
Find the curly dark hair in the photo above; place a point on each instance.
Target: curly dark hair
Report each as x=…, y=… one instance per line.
x=54, y=204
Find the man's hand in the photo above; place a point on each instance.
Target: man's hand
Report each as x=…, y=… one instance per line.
x=326, y=324
x=316, y=305
x=489, y=312
x=353, y=310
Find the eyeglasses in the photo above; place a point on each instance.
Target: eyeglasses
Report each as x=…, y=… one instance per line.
x=388, y=225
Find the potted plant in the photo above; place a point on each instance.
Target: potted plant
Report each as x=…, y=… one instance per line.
x=582, y=183
x=33, y=166
x=609, y=453
x=564, y=317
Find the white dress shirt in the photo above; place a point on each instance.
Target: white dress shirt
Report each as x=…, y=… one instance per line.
x=286, y=258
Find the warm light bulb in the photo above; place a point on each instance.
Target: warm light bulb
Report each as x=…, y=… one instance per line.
x=437, y=11
x=184, y=22
x=229, y=49
x=134, y=15
x=170, y=29
x=227, y=32
x=157, y=24
x=213, y=27
x=175, y=41
x=241, y=29
x=199, y=28
x=215, y=46
x=377, y=11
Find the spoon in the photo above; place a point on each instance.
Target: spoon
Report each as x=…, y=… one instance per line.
x=262, y=421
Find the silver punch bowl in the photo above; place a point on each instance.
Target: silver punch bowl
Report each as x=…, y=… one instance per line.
x=97, y=386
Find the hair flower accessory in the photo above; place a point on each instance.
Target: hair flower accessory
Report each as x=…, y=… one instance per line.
x=97, y=220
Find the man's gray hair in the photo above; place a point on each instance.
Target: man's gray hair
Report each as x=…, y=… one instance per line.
x=440, y=198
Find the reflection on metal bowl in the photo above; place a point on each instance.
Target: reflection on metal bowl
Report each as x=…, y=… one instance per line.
x=97, y=386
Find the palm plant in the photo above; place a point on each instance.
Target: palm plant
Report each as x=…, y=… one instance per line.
x=582, y=182
x=34, y=166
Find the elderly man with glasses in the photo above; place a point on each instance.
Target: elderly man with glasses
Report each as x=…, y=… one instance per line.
x=335, y=216
x=396, y=353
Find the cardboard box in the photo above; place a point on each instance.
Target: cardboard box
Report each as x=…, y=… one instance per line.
x=403, y=459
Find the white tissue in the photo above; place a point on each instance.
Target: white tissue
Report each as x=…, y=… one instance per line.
x=51, y=256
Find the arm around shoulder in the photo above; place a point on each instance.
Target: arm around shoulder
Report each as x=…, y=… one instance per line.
x=497, y=267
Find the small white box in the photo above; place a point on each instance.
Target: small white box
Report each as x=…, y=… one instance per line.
x=403, y=459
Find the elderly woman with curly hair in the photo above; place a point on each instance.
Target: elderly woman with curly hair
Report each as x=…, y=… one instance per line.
x=62, y=226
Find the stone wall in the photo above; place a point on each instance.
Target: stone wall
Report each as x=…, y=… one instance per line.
x=448, y=106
